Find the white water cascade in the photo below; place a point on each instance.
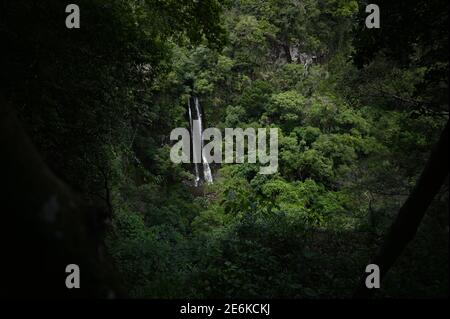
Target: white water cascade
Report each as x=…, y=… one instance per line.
x=195, y=113
x=191, y=124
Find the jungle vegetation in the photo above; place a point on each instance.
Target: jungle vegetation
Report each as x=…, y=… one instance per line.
x=85, y=119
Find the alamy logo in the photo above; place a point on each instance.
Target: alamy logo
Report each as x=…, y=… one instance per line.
x=73, y=279
x=373, y=19
x=257, y=149
x=73, y=19
x=373, y=277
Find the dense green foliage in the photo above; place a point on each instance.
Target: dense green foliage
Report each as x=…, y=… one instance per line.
x=351, y=142
x=348, y=156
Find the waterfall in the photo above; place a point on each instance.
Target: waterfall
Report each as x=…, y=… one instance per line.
x=197, y=130
x=206, y=169
x=191, y=124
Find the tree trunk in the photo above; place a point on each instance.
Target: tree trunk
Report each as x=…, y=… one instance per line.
x=411, y=213
x=45, y=226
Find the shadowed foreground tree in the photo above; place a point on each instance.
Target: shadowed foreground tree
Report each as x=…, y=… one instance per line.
x=405, y=226
x=412, y=33
x=66, y=96
x=46, y=226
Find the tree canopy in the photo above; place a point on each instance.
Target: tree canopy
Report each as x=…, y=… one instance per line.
x=85, y=122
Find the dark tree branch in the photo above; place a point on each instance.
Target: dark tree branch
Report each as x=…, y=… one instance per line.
x=411, y=213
